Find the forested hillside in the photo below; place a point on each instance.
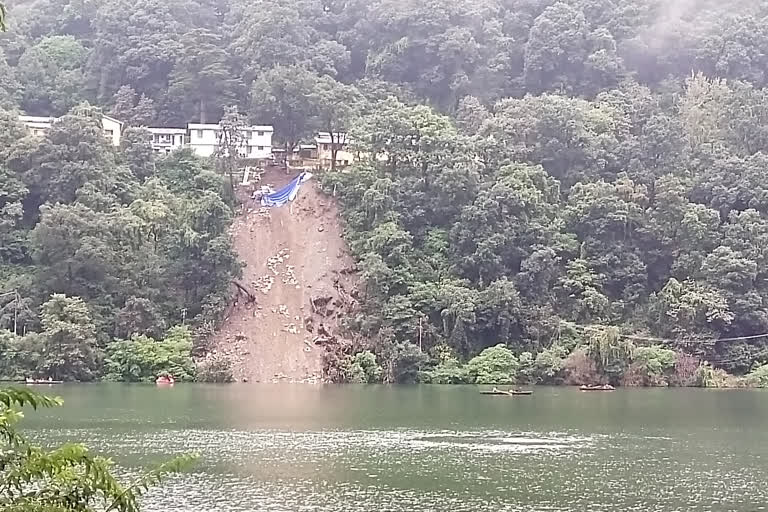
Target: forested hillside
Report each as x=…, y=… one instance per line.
x=99, y=245
x=583, y=181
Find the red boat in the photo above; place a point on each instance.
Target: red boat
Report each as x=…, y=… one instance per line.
x=165, y=380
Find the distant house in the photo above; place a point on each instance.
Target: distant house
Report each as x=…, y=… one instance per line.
x=113, y=129
x=38, y=126
x=165, y=140
x=204, y=140
x=325, y=145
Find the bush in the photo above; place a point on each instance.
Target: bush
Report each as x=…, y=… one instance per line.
x=579, y=369
x=548, y=365
x=494, y=365
x=758, y=377
x=215, y=368
x=21, y=356
x=707, y=376
x=408, y=363
x=362, y=368
x=525, y=373
x=651, y=366
x=447, y=368
x=142, y=359
x=684, y=374
x=447, y=372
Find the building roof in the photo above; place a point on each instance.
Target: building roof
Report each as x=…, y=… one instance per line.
x=209, y=126
x=182, y=131
x=121, y=123
x=325, y=137
x=36, y=119
x=198, y=126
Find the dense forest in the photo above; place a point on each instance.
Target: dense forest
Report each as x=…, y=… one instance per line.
x=570, y=190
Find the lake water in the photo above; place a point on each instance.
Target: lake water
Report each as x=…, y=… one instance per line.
x=271, y=448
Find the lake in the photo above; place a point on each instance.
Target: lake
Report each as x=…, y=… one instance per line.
x=271, y=448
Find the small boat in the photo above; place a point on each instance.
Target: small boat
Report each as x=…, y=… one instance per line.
x=511, y=392
x=601, y=387
x=42, y=381
x=165, y=380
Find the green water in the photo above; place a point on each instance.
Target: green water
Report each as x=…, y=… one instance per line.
x=348, y=449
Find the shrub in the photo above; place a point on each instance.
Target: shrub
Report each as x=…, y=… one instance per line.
x=548, y=365
x=610, y=353
x=494, y=365
x=448, y=372
x=362, y=368
x=758, y=377
x=707, y=376
x=447, y=368
x=579, y=369
x=216, y=368
x=525, y=373
x=408, y=363
x=142, y=359
x=684, y=373
x=651, y=366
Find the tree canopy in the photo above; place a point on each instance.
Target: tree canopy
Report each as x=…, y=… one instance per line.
x=525, y=166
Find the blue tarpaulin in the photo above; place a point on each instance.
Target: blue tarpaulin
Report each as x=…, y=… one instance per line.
x=287, y=193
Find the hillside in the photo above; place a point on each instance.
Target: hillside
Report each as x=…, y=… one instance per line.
x=298, y=266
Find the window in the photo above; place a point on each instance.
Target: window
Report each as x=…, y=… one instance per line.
x=261, y=148
x=326, y=147
x=199, y=134
x=108, y=132
x=260, y=134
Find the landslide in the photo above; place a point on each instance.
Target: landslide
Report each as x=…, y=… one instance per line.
x=299, y=270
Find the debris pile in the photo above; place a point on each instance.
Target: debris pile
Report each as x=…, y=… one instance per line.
x=264, y=284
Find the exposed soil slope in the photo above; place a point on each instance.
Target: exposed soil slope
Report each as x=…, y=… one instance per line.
x=300, y=271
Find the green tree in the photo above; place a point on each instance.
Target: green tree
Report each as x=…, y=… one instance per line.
x=71, y=351
x=203, y=77
x=10, y=88
x=282, y=97
x=494, y=365
x=362, y=368
x=52, y=74
x=335, y=105
x=142, y=359
x=127, y=107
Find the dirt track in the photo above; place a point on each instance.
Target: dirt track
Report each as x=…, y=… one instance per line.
x=292, y=254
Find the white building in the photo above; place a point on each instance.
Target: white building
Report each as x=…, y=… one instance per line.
x=204, y=140
x=165, y=140
x=113, y=129
x=37, y=126
x=259, y=142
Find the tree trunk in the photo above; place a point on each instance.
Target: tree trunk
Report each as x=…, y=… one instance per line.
x=334, y=151
x=103, y=78
x=248, y=293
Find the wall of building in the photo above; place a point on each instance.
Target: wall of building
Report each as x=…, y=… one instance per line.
x=112, y=129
